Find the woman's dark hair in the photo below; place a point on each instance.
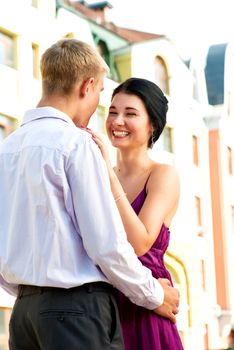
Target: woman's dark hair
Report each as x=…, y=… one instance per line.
x=154, y=101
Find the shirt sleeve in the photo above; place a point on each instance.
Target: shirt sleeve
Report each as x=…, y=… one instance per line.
x=9, y=288
x=101, y=228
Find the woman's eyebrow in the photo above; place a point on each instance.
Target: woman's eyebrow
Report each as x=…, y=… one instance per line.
x=132, y=108
x=127, y=108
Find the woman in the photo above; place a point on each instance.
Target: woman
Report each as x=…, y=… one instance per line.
x=147, y=195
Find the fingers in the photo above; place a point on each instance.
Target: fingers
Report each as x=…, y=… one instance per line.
x=166, y=312
x=170, y=306
x=175, y=311
x=96, y=137
x=90, y=131
x=86, y=128
x=172, y=318
x=164, y=281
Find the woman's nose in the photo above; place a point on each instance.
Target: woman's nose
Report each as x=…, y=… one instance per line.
x=119, y=119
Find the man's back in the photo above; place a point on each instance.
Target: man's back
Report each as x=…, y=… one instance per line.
x=37, y=212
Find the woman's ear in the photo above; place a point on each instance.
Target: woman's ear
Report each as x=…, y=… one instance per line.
x=86, y=85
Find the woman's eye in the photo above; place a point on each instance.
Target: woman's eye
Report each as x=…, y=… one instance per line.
x=131, y=115
x=112, y=113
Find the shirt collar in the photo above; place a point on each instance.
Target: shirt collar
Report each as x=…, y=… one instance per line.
x=45, y=112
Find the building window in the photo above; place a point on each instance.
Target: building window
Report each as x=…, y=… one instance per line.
x=230, y=163
x=195, y=150
x=7, y=47
x=206, y=337
x=2, y=132
x=7, y=125
x=70, y=35
x=4, y=322
x=195, y=85
x=104, y=51
x=168, y=139
x=35, y=61
x=161, y=74
x=203, y=276
x=34, y=3
x=198, y=211
x=101, y=114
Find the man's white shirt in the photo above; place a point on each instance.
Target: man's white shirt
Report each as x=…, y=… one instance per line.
x=59, y=223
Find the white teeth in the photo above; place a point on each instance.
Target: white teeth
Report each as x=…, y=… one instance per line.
x=120, y=133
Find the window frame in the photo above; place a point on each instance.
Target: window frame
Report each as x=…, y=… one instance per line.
x=13, y=38
x=161, y=74
x=168, y=139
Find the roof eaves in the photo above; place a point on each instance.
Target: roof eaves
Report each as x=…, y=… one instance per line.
x=61, y=4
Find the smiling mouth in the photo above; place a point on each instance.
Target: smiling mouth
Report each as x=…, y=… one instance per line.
x=120, y=133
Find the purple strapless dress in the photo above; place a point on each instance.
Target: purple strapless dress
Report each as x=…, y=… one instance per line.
x=142, y=328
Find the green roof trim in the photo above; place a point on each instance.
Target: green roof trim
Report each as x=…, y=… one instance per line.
x=113, y=41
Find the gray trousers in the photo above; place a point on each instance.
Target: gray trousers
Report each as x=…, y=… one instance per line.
x=81, y=318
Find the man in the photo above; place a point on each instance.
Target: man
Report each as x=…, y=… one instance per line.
x=63, y=245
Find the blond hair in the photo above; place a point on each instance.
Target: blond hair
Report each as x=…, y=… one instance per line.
x=67, y=62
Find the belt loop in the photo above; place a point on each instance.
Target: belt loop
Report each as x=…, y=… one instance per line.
x=89, y=288
x=20, y=291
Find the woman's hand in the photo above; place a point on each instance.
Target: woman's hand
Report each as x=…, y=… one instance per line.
x=103, y=148
x=170, y=306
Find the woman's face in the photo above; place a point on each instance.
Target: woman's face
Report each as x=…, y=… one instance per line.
x=128, y=124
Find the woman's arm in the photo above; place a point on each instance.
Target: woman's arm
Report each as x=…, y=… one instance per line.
x=160, y=204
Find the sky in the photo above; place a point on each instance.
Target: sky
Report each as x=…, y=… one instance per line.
x=190, y=24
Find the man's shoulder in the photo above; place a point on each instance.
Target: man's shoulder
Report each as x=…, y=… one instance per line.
x=55, y=132
x=67, y=138
x=58, y=136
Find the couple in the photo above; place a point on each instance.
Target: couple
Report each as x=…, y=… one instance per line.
x=69, y=235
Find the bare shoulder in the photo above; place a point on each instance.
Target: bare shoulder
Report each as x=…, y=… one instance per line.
x=164, y=178
x=164, y=188
x=164, y=172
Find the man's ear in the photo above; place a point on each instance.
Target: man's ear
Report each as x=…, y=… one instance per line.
x=85, y=86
